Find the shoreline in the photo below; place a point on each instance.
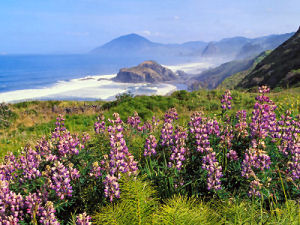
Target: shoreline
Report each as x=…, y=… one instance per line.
x=98, y=87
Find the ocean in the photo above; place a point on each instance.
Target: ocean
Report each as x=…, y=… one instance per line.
x=69, y=77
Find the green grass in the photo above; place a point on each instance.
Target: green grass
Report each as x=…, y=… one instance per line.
x=32, y=120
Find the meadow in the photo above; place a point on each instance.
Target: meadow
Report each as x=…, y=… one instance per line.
x=202, y=157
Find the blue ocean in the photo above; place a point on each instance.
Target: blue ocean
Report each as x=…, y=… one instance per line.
x=18, y=72
x=29, y=77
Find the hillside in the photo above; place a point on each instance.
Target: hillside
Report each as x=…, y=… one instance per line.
x=239, y=48
x=148, y=71
x=281, y=68
x=232, y=81
x=213, y=77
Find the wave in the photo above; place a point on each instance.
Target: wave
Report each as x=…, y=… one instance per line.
x=96, y=87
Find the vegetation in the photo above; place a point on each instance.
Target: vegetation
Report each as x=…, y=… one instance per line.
x=276, y=70
x=232, y=81
x=219, y=166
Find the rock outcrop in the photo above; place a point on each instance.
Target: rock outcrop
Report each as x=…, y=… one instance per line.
x=148, y=71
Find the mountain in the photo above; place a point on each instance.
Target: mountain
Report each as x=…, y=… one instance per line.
x=239, y=48
x=136, y=45
x=148, y=71
x=235, y=48
x=213, y=77
x=125, y=44
x=279, y=69
x=227, y=47
x=232, y=81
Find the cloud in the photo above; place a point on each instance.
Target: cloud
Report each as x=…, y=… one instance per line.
x=146, y=32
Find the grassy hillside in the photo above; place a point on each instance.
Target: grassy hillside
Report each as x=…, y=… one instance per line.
x=232, y=81
x=279, y=69
x=186, y=165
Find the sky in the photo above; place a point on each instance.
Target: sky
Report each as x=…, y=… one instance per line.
x=77, y=26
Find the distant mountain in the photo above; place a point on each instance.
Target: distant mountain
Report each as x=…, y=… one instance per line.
x=243, y=48
x=279, y=69
x=213, y=77
x=148, y=71
x=227, y=47
x=134, y=45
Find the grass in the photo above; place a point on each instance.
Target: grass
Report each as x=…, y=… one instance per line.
x=35, y=119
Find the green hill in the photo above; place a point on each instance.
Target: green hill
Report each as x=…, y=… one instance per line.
x=232, y=81
x=279, y=69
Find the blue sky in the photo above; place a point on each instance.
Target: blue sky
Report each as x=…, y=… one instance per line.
x=76, y=26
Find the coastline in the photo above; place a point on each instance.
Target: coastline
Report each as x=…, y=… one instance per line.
x=98, y=87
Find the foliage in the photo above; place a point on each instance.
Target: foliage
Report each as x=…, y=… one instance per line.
x=184, y=167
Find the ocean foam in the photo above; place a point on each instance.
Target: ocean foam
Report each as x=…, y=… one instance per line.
x=89, y=87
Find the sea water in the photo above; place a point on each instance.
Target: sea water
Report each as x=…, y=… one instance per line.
x=70, y=77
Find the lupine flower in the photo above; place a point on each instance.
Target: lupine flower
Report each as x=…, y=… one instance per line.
x=225, y=101
x=201, y=128
x=212, y=166
x=232, y=155
x=83, y=219
x=29, y=162
x=134, y=121
x=59, y=178
x=287, y=134
x=167, y=129
x=96, y=170
x=99, y=126
x=150, y=146
x=241, y=126
x=36, y=207
x=119, y=161
x=255, y=188
x=11, y=204
x=179, y=149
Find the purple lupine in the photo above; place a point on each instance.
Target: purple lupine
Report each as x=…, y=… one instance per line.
x=60, y=126
x=226, y=137
x=263, y=123
x=255, y=158
x=232, y=155
x=255, y=188
x=134, y=121
x=9, y=167
x=67, y=144
x=38, y=208
x=96, y=170
x=214, y=170
x=43, y=147
x=241, y=126
x=178, y=149
x=150, y=126
x=11, y=204
x=201, y=132
x=201, y=128
x=225, y=100
x=119, y=160
x=99, y=126
x=287, y=134
x=150, y=146
x=167, y=129
x=59, y=178
x=83, y=219
x=29, y=162
x=111, y=187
